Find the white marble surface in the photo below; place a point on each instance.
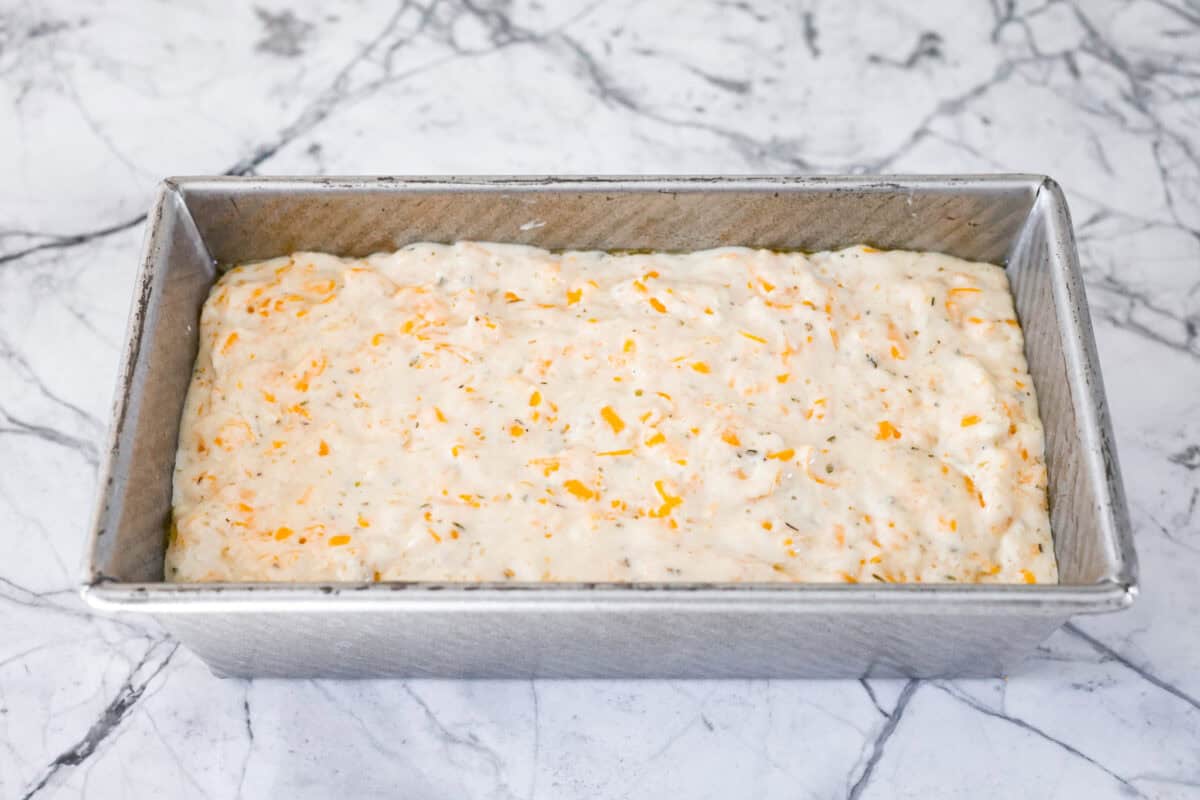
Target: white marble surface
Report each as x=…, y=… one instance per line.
x=102, y=99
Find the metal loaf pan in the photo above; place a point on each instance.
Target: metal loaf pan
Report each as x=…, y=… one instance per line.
x=631, y=630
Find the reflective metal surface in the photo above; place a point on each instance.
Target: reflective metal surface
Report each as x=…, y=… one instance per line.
x=556, y=630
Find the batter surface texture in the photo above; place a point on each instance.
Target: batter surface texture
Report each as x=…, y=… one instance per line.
x=486, y=412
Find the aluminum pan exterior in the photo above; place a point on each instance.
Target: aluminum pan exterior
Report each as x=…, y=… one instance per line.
x=521, y=631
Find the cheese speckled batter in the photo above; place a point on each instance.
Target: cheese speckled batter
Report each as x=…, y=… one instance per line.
x=487, y=412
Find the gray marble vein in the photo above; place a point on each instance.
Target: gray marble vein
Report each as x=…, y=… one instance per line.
x=880, y=742
x=103, y=100
x=114, y=713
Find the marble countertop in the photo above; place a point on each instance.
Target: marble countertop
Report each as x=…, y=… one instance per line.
x=102, y=100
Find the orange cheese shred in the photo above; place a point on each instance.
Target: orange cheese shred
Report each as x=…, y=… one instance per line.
x=613, y=419
x=887, y=431
x=578, y=489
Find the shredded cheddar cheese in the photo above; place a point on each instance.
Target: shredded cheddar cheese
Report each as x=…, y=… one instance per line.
x=613, y=419
x=578, y=489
